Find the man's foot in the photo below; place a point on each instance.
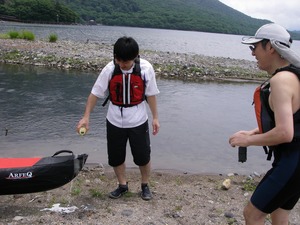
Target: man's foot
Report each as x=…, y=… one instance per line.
x=121, y=190
x=146, y=193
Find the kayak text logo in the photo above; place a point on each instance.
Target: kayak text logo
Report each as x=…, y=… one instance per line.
x=16, y=176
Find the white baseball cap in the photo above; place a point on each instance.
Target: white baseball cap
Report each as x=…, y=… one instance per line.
x=272, y=32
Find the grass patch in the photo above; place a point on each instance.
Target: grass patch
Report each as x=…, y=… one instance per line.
x=249, y=185
x=96, y=194
x=52, y=38
x=178, y=181
x=12, y=55
x=13, y=34
x=4, y=36
x=128, y=194
x=25, y=34
x=76, y=191
x=178, y=208
x=231, y=221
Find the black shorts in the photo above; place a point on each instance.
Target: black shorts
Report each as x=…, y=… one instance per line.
x=280, y=187
x=139, y=141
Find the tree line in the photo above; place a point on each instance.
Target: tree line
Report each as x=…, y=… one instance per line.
x=41, y=11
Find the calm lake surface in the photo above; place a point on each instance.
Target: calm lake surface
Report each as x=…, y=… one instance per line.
x=40, y=107
x=209, y=44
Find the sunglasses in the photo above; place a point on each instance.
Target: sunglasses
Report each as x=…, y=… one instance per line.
x=252, y=48
x=263, y=42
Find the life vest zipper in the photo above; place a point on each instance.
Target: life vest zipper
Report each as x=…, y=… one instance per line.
x=126, y=89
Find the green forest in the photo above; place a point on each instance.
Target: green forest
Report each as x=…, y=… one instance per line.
x=193, y=15
x=41, y=11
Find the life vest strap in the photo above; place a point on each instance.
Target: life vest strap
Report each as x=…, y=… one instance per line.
x=269, y=152
x=105, y=101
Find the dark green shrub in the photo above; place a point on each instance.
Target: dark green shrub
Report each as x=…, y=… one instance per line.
x=25, y=34
x=28, y=35
x=13, y=34
x=52, y=38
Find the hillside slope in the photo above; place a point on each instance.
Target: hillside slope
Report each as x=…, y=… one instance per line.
x=196, y=15
x=193, y=15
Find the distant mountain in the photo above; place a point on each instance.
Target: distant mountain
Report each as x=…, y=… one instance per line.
x=194, y=15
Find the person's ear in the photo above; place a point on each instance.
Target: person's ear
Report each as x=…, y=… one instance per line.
x=270, y=47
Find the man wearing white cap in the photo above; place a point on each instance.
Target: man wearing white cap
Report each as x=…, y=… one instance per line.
x=277, y=107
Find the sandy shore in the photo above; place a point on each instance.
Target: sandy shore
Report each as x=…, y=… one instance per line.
x=178, y=198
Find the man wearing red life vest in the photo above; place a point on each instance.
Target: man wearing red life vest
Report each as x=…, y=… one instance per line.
x=130, y=81
x=277, y=105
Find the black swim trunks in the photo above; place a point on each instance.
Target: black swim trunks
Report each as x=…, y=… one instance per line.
x=280, y=187
x=139, y=141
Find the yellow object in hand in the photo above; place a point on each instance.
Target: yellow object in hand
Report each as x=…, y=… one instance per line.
x=82, y=131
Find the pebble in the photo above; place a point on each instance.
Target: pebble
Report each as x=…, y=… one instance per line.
x=228, y=215
x=127, y=212
x=226, y=184
x=256, y=174
x=18, y=218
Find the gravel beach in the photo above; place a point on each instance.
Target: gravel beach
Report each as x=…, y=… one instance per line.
x=93, y=56
x=179, y=198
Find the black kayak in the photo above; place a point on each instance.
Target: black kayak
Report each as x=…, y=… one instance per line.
x=28, y=175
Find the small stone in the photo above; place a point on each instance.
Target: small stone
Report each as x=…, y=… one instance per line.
x=18, y=218
x=226, y=184
x=228, y=215
x=256, y=174
x=127, y=212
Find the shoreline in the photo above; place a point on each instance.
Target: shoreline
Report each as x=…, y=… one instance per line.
x=173, y=172
x=93, y=56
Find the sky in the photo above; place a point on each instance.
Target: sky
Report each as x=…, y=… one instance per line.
x=285, y=13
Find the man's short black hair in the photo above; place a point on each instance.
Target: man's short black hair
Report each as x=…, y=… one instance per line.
x=126, y=48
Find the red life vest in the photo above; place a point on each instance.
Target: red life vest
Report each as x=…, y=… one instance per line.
x=127, y=90
x=264, y=115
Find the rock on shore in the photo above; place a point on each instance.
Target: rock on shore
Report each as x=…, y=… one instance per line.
x=93, y=56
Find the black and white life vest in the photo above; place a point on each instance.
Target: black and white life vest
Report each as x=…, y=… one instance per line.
x=265, y=116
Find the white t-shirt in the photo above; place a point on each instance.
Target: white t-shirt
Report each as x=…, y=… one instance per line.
x=131, y=116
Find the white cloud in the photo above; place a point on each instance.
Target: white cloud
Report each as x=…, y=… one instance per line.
x=285, y=13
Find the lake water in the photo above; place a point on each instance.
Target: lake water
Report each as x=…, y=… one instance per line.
x=40, y=107
x=209, y=44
